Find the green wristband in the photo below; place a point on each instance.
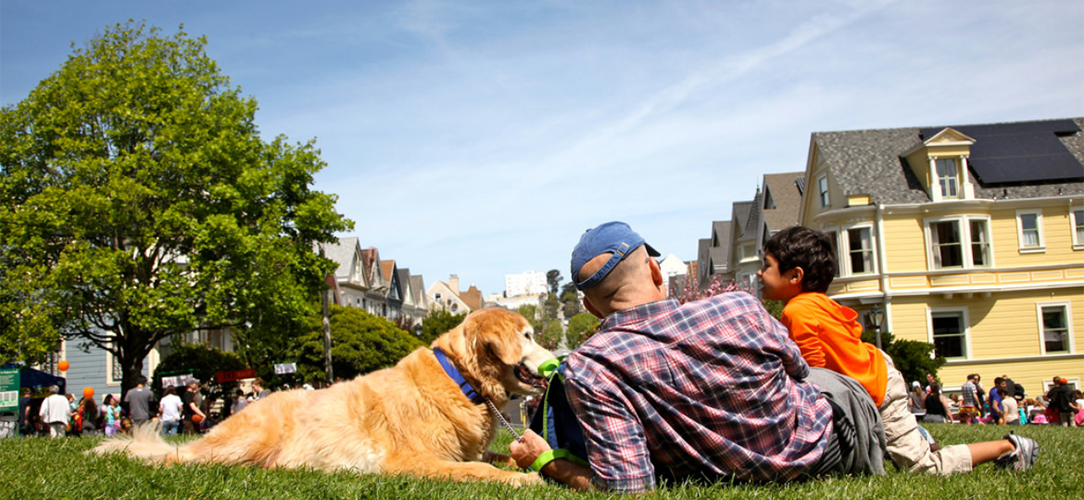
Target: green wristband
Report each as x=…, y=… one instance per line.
x=547, y=457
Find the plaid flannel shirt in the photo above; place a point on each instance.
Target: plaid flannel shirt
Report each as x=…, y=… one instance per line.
x=970, y=395
x=712, y=387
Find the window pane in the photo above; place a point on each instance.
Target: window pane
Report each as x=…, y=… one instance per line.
x=861, y=250
x=948, y=335
x=980, y=245
x=1028, y=222
x=1078, y=221
x=947, y=246
x=1055, y=331
x=947, y=175
x=834, y=238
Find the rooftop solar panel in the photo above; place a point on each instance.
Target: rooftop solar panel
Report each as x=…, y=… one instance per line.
x=1020, y=153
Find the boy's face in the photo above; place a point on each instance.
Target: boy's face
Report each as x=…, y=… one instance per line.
x=778, y=285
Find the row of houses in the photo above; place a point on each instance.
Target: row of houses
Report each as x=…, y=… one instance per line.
x=969, y=237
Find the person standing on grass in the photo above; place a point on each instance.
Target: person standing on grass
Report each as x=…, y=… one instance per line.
x=191, y=408
x=112, y=414
x=91, y=416
x=170, y=411
x=139, y=400
x=708, y=389
x=799, y=265
x=997, y=413
x=239, y=402
x=24, y=412
x=969, y=411
x=258, y=390
x=55, y=412
x=1061, y=398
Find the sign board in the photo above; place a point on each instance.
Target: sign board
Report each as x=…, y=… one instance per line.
x=9, y=390
x=178, y=380
x=235, y=375
x=284, y=368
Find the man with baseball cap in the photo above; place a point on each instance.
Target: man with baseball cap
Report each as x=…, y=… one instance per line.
x=709, y=389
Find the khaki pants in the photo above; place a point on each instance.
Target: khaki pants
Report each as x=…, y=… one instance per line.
x=906, y=446
x=58, y=429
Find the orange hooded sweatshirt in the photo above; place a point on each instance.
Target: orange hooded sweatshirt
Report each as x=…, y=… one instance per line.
x=830, y=337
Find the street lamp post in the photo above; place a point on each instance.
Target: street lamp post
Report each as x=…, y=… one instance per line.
x=877, y=316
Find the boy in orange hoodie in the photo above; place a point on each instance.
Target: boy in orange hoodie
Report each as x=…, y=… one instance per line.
x=799, y=264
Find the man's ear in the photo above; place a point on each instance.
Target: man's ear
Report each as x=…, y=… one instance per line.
x=656, y=273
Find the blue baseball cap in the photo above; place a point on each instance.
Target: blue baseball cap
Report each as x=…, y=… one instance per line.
x=615, y=237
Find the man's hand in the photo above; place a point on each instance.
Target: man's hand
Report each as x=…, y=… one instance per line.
x=527, y=449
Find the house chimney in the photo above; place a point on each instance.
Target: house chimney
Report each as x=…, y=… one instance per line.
x=453, y=283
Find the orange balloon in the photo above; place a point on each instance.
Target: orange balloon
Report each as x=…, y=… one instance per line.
x=63, y=365
x=88, y=392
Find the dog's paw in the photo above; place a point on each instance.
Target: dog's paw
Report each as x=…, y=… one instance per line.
x=529, y=479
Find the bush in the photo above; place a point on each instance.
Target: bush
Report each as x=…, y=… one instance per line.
x=437, y=322
x=360, y=343
x=912, y=358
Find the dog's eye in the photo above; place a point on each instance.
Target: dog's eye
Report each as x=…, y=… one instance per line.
x=527, y=335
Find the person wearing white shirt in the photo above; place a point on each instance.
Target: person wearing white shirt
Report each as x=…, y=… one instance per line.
x=55, y=412
x=170, y=411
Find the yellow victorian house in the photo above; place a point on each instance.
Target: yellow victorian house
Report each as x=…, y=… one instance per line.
x=968, y=237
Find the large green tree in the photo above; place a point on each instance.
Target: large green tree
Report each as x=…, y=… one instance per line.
x=138, y=201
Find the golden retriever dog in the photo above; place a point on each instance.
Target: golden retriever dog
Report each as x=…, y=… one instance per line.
x=408, y=419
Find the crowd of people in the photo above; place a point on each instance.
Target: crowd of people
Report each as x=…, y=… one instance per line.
x=181, y=409
x=1005, y=404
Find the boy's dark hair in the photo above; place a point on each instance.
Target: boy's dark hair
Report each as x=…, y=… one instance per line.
x=811, y=250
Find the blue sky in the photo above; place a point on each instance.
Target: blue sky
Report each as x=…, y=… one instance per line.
x=482, y=138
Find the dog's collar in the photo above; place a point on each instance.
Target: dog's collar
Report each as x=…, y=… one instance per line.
x=452, y=372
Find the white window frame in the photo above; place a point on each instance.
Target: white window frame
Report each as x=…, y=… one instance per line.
x=747, y=252
x=822, y=191
x=1074, y=223
x=963, y=223
x=966, y=318
x=1039, y=227
x=844, y=248
x=955, y=179
x=833, y=235
x=1068, y=308
x=110, y=381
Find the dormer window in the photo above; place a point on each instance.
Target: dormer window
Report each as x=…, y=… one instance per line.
x=948, y=174
x=822, y=191
x=941, y=164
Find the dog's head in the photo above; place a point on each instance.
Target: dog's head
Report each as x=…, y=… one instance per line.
x=496, y=352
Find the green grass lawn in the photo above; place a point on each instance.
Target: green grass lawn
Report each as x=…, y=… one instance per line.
x=57, y=469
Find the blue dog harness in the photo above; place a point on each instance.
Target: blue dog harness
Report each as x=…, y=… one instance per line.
x=454, y=374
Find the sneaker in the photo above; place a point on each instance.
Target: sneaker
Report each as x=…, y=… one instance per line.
x=1022, y=458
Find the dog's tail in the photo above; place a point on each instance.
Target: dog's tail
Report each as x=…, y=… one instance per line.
x=146, y=443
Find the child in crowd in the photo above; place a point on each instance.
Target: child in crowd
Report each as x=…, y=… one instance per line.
x=799, y=265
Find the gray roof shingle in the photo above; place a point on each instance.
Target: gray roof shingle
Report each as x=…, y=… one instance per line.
x=870, y=162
